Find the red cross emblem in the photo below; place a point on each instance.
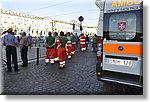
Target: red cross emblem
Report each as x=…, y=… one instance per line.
x=121, y=26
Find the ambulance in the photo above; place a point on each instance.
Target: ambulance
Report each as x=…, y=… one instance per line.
x=120, y=41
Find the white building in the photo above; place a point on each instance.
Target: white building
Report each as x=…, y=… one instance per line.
x=63, y=26
x=90, y=30
x=37, y=26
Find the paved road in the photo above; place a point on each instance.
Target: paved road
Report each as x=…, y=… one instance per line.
x=78, y=77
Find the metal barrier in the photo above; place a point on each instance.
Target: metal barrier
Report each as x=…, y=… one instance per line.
x=34, y=55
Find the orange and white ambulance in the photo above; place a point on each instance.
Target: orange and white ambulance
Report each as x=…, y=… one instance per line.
x=119, y=42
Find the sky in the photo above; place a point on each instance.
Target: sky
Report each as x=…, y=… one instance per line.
x=65, y=10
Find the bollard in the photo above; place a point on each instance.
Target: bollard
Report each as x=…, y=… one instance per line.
x=37, y=55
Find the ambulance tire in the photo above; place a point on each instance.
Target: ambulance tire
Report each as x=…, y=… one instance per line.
x=98, y=71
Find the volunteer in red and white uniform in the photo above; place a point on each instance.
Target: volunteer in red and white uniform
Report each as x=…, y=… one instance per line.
x=82, y=42
x=73, y=44
x=61, y=42
x=49, y=44
x=68, y=45
x=55, y=48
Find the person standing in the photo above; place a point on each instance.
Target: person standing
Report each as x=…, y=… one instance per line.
x=69, y=45
x=94, y=43
x=55, y=47
x=61, y=42
x=73, y=40
x=90, y=42
x=50, y=51
x=10, y=41
x=18, y=39
x=77, y=41
x=82, y=42
x=87, y=41
x=30, y=40
x=24, y=43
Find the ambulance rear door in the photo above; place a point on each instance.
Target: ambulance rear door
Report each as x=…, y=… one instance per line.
x=122, y=44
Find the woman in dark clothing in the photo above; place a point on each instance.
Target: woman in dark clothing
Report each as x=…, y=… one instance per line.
x=87, y=41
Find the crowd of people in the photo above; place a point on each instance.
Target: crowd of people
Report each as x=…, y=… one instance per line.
x=59, y=47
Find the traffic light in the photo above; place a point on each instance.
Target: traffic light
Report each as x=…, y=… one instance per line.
x=73, y=26
x=81, y=28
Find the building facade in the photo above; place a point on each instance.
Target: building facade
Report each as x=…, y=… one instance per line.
x=36, y=26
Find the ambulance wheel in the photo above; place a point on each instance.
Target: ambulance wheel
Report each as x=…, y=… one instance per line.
x=98, y=71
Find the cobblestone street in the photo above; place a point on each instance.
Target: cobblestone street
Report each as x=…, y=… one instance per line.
x=78, y=77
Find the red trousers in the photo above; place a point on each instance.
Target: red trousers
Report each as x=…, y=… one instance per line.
x=73, y=48
x=56, y=54
x=50, y=55
x=62, y=56
x=83, y=47
x=68, y=50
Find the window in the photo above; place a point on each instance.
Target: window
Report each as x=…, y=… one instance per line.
x=122, y=26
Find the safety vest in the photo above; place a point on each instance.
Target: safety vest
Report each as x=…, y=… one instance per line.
x=61, y=41
x=50, y=40
x=73, y=40
x=69, y=42
x=94, y=39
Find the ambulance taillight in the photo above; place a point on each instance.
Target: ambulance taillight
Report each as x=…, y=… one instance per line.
x=99, y=48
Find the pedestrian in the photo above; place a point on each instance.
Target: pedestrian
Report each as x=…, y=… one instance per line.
x=94, y=43
x=35, y=41
x=39, y=41
x=10, y=41
x=61, y=42
x=24, y=43
x=50, y=51
x=69, y=45
x=77, y=41
x=30, y=40
x=73, y=40
x=87, y=41
x=90, y=42
x=18, y=39
x=82, y=42
x=55, y=47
